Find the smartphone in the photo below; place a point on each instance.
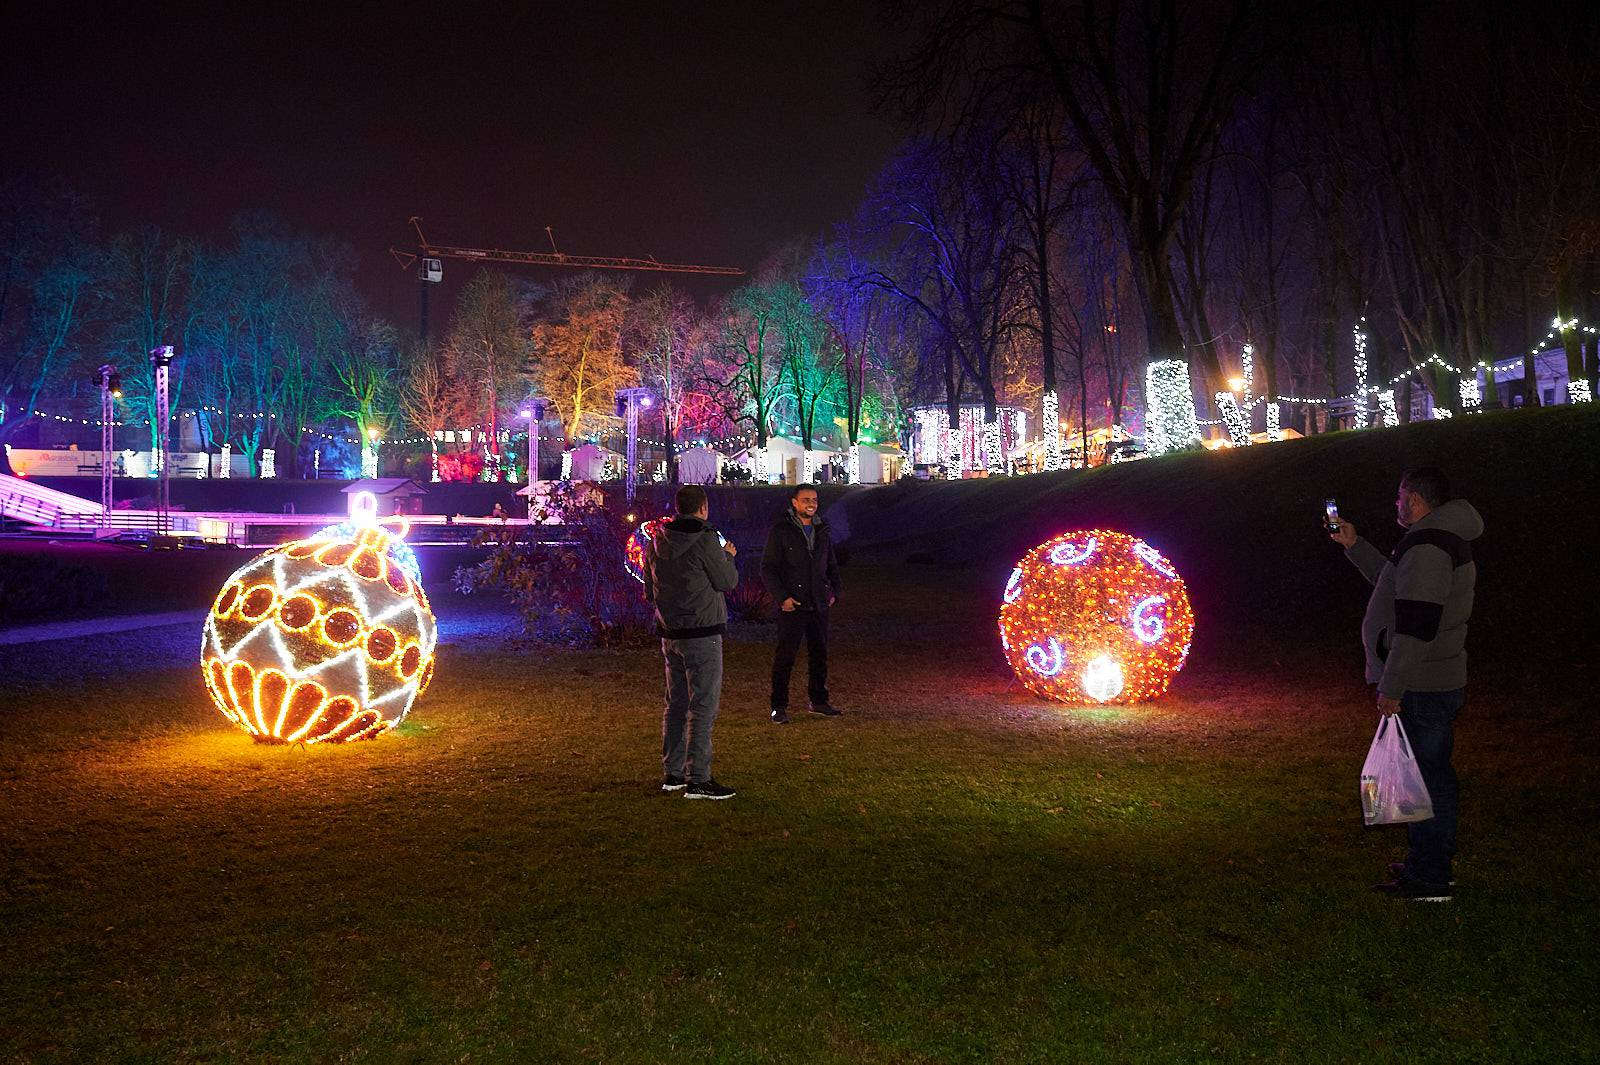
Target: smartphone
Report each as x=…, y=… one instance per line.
x=1331, y=509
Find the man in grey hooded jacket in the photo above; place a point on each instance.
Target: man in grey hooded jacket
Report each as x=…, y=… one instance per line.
x=1414, y=634
x=687, y=570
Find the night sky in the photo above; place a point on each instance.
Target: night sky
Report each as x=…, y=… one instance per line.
x=695, y=132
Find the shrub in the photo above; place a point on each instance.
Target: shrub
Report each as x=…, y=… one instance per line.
x=573, y=589
x=750, y=601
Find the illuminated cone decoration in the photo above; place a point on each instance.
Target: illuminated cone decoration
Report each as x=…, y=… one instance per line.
x=1094, y=617
x=323, y=640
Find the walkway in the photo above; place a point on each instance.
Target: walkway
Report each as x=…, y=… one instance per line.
x=70, y=630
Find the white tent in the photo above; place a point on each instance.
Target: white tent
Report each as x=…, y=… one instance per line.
x=699, y=465
x=785, y=460
x=589, y=462
x=880, y=463
x=782, y=463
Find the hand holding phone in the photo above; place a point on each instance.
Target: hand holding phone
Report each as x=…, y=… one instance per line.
x=1339, y=530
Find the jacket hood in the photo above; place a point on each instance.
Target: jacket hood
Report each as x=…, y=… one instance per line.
x=1457, y=516
x=677, y=537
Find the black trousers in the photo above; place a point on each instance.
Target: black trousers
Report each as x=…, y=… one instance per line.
x=794, y=625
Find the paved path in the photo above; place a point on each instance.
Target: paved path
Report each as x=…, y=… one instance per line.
x=67, y=630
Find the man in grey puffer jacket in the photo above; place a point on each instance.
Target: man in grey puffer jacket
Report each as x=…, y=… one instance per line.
x=1414, y=634
x=687, y=569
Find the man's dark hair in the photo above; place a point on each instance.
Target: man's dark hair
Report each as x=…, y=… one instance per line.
x=804, y=486
x=1429, y=482
x=690, y=498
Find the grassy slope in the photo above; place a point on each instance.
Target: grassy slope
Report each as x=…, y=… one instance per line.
x=954, y=872
x=1242, y=528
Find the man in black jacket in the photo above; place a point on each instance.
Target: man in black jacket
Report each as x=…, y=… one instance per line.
x=802, y=575
x=686, y=573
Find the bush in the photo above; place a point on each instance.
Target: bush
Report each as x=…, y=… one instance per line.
x=749, y=601
x=575, y=590
x=34, y=586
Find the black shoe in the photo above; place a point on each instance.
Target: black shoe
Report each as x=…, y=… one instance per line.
x=673, y=783
x=825, y=711
x=1397, y=870
x=1403, y=887
x=709, y=790
x=780, y=717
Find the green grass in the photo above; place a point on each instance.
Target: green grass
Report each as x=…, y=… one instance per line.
x=954, y=871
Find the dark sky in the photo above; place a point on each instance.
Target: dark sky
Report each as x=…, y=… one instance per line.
x=690, y=131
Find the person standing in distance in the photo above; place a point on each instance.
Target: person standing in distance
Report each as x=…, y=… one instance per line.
x=686, y=573
x=1414, y=634
x=801, y=572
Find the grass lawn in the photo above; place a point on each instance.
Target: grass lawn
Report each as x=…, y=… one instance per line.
x=954, y=871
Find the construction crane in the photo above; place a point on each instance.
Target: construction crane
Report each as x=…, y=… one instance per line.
x=432, y=256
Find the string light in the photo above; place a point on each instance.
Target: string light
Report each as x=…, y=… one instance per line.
x=1362, y=408
x=225, y=469
x=269, y=462
x=1095, y=616
x=993, y=456
x=1274, y=425
x=1233, y=418
x=1169, y=405
x=328, y=639
x=1051, y=413
x=1391, y=417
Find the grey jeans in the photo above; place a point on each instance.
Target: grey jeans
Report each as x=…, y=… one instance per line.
x=694, y=692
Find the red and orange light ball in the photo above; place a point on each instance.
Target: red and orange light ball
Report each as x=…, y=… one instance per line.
x=634, y=550
x=1096, y=616
x=324, y=640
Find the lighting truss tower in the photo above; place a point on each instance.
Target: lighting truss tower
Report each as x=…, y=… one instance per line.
x=110, y=389
x=629, y=402
x=533, y=410
x=160, y=367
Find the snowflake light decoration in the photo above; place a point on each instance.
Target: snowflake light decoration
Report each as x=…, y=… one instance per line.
x=323, y=640
x=1096, y=616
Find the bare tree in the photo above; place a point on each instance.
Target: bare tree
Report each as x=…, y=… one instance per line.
x=662, y=335
x=951, y=233
x=487, y=351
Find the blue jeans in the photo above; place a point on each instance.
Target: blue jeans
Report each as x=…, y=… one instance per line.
x=694, y=693
x=1429, y=719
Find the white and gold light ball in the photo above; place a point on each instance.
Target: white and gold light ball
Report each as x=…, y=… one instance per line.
x=329, y=639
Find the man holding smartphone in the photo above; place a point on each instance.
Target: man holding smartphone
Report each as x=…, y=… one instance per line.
x=1414, y=633
x=687, y=571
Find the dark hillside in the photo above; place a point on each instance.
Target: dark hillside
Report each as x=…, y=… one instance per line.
x=1242, y=527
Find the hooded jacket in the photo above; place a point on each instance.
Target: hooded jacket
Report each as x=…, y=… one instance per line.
x=686, y=572
x=792, y=570
x=1415, y=629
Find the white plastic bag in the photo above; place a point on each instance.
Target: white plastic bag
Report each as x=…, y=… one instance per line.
x=1392, y=791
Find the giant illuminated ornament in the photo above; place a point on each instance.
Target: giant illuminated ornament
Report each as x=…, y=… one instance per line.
x=1096, y=616
x=326, y=639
